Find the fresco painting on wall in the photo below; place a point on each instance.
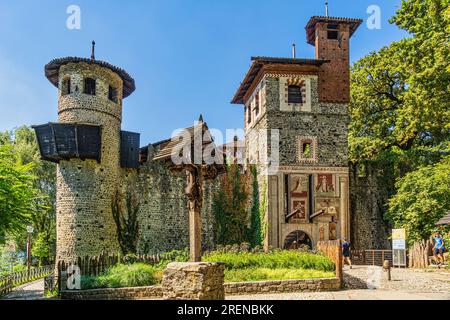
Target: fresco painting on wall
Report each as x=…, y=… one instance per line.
x=298, y=197
x=325, y=185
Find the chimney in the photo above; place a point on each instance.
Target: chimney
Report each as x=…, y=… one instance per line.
x=93, y=51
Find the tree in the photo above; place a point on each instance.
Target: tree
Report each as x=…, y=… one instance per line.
x=400, y=94
x=22, y=142
x=400, y=112
x=422, y=198
x=17, y=194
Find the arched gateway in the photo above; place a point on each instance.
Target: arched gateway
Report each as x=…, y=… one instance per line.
x=297, y=239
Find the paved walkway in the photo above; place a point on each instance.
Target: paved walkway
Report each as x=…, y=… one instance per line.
x=406, y=284
x=30, y=291
x=358, y=294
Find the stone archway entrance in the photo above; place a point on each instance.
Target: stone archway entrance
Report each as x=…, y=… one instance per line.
x=297, y=239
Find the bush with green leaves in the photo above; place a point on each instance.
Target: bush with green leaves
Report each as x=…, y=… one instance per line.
x=124, y=275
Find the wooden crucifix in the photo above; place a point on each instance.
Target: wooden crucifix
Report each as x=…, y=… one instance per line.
x=196, y=174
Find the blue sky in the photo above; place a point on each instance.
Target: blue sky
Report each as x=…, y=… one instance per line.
x=186, y=56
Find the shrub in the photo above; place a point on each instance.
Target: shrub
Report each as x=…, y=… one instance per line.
x=274, y=260
x=124, y=275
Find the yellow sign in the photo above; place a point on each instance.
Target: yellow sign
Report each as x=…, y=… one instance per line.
x=398, y=234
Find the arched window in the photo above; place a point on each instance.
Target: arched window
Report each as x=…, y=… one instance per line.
x=65, y=88
x=295, y=94
x=89, y=86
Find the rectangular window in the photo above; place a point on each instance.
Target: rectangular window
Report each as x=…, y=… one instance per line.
x=89, y=86
x=66, y=86
x=257, y=104
x=332, y=32
x=249, y=115
x=294, y=94
x=112, y=94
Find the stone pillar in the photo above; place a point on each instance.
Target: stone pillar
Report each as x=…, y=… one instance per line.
x=193, y=281
x=345, y=215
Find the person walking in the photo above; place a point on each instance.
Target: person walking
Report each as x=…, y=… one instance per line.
x=438, y=249
x=346, y=252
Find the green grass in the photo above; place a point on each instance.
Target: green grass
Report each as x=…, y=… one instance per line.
x=123, y=275
x=239, y=267
x=263, y=274
x=274, y=260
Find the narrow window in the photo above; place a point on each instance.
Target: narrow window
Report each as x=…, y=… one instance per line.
x=294, y=94
x=332, y=32
x=257, y=104
x=112, y=94
x=65, y=86
x=249, y=115
x=89, y=86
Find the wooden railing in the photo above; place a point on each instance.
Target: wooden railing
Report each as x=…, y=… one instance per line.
x=371, y=257
x=9, y=281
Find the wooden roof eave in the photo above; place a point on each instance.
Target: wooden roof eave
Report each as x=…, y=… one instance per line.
x=269, y=68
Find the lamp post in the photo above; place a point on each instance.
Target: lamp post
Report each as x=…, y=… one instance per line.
x=30, y=230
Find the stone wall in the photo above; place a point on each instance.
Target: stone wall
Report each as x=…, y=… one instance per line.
x=151, y=292
x=369, y=194
x=163, y=215
x=282, y=286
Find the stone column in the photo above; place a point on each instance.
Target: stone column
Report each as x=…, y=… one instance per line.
x=193, y=281
x=345, y=215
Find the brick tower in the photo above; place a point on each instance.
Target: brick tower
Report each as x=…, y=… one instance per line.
x=331, y=37
x=86, y=144
x=304, y=103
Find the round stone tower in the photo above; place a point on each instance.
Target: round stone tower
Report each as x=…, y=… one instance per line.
x=90, y=94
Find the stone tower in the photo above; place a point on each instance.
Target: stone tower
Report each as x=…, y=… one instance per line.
x=86, y=144
x=296, y=121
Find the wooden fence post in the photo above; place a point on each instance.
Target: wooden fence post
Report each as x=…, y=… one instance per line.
x=339, y=263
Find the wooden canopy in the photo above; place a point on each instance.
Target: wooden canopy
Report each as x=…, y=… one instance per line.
x=271, y=64
x=170, y=147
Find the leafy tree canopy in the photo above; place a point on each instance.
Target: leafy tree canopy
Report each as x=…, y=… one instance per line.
x=423, y=197
x=17, y=193
x=401, y=94
x=22, y=145
x=400, y=115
